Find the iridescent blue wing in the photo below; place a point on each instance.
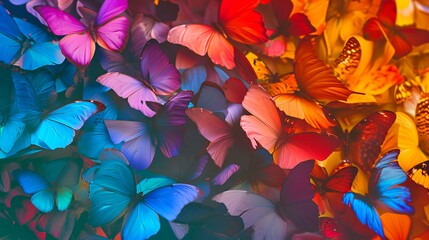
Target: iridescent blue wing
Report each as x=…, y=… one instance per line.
x=141, y=223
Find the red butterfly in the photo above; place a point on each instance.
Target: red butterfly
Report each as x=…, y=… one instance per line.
x=236, y=20
x=401, y=38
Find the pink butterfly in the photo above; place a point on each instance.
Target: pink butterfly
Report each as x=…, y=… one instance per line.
x=160, y=77
x=109, y=30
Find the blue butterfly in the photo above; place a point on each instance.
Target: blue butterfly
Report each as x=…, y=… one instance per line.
x=54, y=186
x=25, y=45
x=384, y=192
x=11, y=119
x=49, y=129
x=114, y=193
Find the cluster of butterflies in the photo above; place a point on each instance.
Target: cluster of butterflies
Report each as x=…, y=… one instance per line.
x=214, y=119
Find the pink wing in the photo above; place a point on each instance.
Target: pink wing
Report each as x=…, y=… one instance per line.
x=214, y=129
x=110, y=9
x=304, y=146
x=114, y=34
x=60, y=22
x=265, y=125
x=204, y=39
x=78, y=48
x=132, y=89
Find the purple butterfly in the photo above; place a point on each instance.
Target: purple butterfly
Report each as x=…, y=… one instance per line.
x=109, y=30
x=164, y=130
x=160, y=77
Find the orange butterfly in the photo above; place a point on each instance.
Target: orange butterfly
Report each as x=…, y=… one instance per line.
x=316, y=83
x=237, y=20
x=401, y=38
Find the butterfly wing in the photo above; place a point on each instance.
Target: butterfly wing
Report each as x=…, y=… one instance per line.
x=141, y=223
x=214, y=129
x=132, y=89
x=112, y=30
x=57, y=129
x=204, y=39
x=384, y=185
x=365, y=212
x=396, y=226
x=170, y=121
x=365, y=139
x=264, y=126
x=137, y=146
x=168, y=201
x=241, y=22
x=63, y=198
x=257, y=212
x=60, y=22
x=111, y=189
x=10, y=38
x=31, y=182
x=300, y=147
x=302, y=108
x=157, y=69
x=341, y=181
x=314, y=77
x=296, y=198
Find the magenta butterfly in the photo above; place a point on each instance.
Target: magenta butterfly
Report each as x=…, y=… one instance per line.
x=160, y=77
x=109, y=30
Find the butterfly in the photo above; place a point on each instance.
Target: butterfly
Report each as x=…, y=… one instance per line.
x=384, y=192
x=53, y=186
x=271, y=220
x=49, y=129
x=340, y=181
x=18, y=220
x=109, y=30
x=285, y=24
x=401, y=38
x=221, y=134
x=165, y=130
x=316, y=83
x=362, y=145
x=236, y=20
x=114, y=193
x=412, y=159
x=159, y=78
x=205, y=220
x=25, y=45
x=266, y=126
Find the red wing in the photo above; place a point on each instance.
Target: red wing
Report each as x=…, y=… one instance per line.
x=415, y=36
x=314, y=77
x=300, y=25
x=387, y=12
x=241, y=22
x=371, y=29
x=234, y=90
x=282, y=9
x=341, y=181
x=399, y=43
x=304, y=146
x=366, y=138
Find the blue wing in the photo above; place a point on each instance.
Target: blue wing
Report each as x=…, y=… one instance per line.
x=384, y=185
x=168, y=201
x=43, y=51
x=57, y=130
x=149, y=184
x=193, y=78
x=63, y=198
x=10, y=133
x=111, y=189
x=10, y=38
x=141, y=223
x=365, y=212
x=31, y=182
x=43, y=200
